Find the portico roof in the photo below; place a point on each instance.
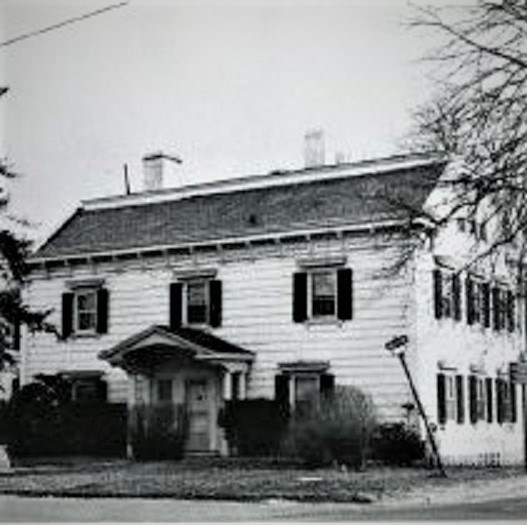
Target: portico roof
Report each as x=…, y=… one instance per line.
x=165, y=343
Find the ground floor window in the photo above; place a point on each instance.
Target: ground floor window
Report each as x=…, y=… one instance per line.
x=299, y=383
x=450, y=397
x=506, y=401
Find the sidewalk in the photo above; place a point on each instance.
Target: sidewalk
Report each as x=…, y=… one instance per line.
x=467, y=491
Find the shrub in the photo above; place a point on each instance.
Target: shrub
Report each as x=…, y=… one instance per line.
x=158, y=431
x=253, y=427
x=335, y=428
x=42, y=424
x=397, y=444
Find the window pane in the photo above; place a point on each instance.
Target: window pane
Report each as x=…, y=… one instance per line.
x=196, y=303
x=86, y=301
x=305, y=387
x=86, y=320
x=324, y=292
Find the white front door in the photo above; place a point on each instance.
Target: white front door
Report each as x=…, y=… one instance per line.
x=198, y=401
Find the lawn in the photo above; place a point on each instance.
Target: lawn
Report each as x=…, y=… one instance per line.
x=227, y=480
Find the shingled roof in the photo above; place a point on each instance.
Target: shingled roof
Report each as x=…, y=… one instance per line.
x=337, y=197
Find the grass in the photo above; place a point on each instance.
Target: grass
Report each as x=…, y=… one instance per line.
x=227, y=480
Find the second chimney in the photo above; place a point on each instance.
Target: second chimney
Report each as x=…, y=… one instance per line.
x=154, y=169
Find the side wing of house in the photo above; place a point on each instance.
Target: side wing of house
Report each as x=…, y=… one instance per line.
x=470, y=328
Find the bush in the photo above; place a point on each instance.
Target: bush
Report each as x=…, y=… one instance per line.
x=253, y=427
x=334, y=429
x=158, y=431
x=41, y=425
x=397, y=444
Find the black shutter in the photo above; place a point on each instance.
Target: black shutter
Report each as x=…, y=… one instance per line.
x=473, y=397
x=512, y=387
x=345, y=294
x=499, y=400
x=510, y=311
x=176, y=304
x=456, y=292
x=215, y=303
x=496, y=306
x=102, y=310
x=281, y=392
x=490, y=399
x=485, y=288
x=327, y=384
x=469, y=289
x=102, y=390
x=438, y=293
x=441, y=399
x=16, y=333
x=67, y=314
x=299, y=297
x=460, y=399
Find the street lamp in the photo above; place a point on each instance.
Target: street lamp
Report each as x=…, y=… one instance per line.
x=397, y=347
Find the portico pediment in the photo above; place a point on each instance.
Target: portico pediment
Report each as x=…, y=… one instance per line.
x=165, y=343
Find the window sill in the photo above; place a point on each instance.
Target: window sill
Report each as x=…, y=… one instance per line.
x=85, y=335
x=324, y=321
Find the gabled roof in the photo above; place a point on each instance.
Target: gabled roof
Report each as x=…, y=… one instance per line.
x=169, y=342
x=308, y=199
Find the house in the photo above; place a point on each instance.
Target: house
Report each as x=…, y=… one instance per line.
x=282, y=285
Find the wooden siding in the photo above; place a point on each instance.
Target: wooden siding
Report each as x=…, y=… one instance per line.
x=257, y=314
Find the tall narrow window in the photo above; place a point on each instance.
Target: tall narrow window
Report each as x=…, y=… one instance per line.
x=324, y=293
x=86, y=310
x=197, y=302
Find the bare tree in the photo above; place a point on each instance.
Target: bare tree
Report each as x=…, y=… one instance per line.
x=479, y=114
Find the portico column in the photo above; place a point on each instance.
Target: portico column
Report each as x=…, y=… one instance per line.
x=243, y=385
x=227, y=385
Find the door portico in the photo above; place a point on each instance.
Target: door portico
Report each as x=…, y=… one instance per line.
x=186, y=375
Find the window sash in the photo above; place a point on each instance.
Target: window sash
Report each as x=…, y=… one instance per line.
x=198, y=300
x=85, y=311
x=323, y=288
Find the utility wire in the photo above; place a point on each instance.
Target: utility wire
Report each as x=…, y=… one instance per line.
x=62, y=24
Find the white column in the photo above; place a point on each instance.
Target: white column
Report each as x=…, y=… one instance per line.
x=243, y=385
x=227, y=385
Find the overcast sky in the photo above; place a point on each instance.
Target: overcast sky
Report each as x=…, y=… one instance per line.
x=230, y=87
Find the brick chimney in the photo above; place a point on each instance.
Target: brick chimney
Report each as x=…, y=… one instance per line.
x=154, y=167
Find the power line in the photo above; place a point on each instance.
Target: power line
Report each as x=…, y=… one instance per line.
x=62, y=24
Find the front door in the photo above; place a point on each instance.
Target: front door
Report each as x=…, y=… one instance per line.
x=198, y=404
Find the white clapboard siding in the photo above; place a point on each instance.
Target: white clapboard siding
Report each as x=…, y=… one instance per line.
x=257, y=315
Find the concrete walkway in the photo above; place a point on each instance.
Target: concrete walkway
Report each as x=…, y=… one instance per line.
x=465, y=492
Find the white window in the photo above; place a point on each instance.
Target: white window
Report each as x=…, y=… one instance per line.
x=450, y=397
x=323, y=301
x=197, y=295
x=85, y=310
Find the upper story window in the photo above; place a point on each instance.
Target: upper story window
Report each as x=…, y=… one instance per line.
x=447, y=294
x=85, y=310
x=477, y=301
x=196, y=301
x=503, y=307
x=323, y=293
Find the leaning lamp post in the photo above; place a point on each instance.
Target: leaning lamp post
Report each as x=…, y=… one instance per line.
x=397, y=347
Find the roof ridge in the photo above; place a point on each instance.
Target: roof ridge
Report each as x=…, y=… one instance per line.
x=274, y=178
